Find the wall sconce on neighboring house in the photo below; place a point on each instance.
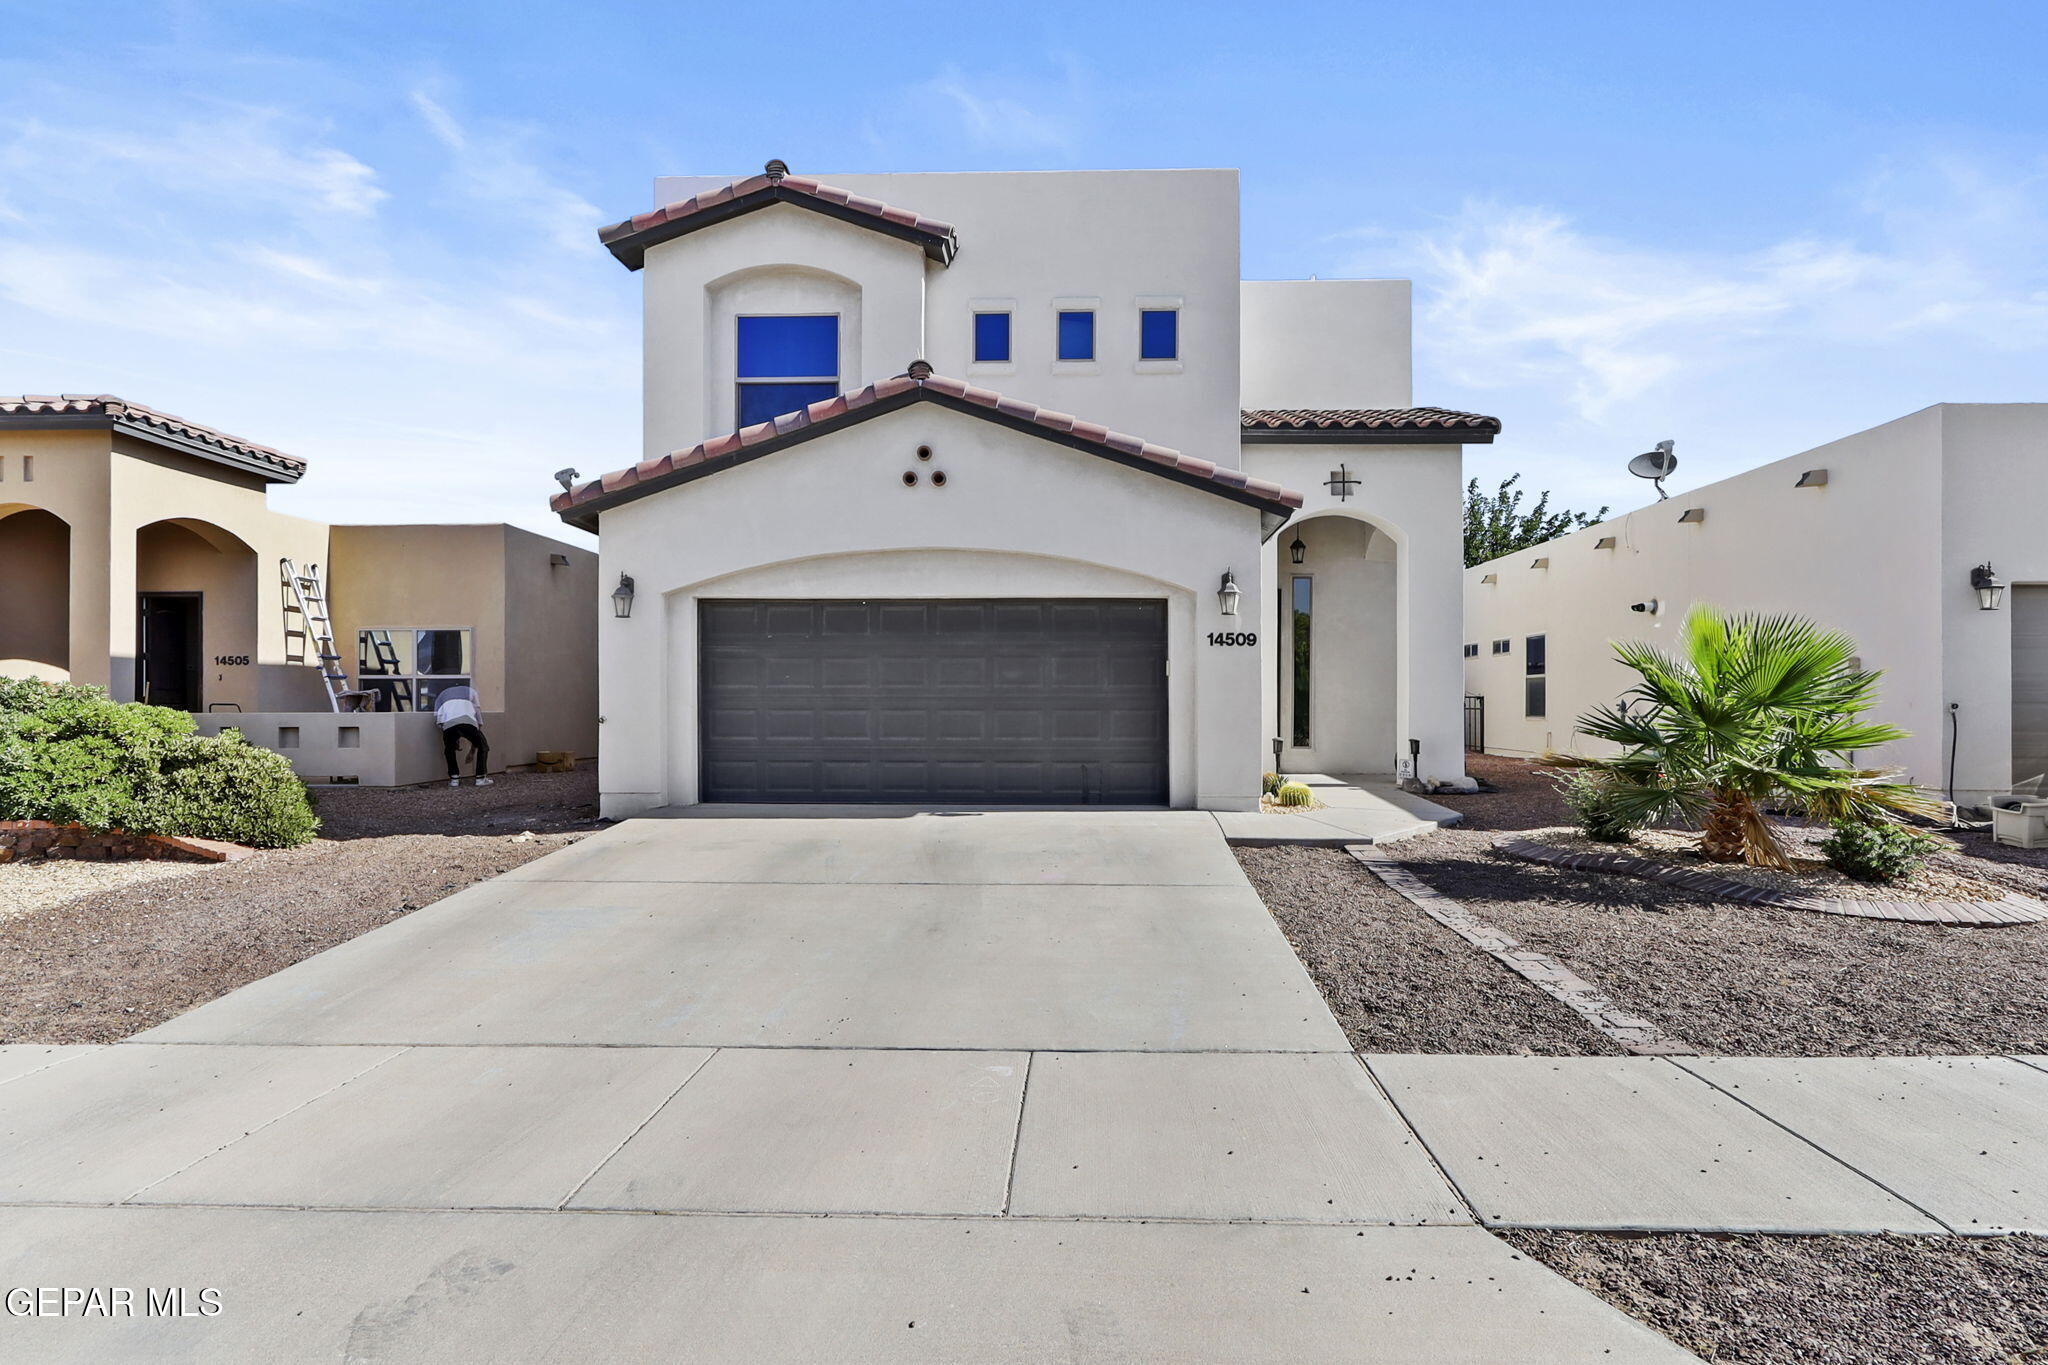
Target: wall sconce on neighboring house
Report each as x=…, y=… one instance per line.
x=1990, y=587
x=1693, y=516
x=622, y=597
x=1540, y=562
x=1297, y=552
x=1228, y=594
x=1489, y=578
x=1813, y=478
x=1604, y=543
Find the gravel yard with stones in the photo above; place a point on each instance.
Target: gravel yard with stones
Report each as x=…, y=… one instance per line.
x=1725, y=977
x=39, y=883
x=119, y=957
x=1819, y=1300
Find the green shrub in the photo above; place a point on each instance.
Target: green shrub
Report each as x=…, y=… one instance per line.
x=72, y=755
x=1270, y=784
x=1596, y=812
x=1294, y=794
x=1877, y=852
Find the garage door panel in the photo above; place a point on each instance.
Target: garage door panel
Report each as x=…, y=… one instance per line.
x=999, y=701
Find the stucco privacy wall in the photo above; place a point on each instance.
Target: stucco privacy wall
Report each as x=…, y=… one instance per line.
x=373, y=749
x=534, y=624
x=1327, y=344
x=1413, y=495
x=1017, y=517
x=1882, y=551
x=1031, y=243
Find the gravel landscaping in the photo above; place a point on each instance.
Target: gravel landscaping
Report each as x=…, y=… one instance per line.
x=1819, y=1300
x=116, y=958
x=1728, y=978
x=39, y=883
x=1397, y=980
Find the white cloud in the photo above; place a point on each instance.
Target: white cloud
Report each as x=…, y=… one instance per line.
x=494, y=171
x=1009, y=113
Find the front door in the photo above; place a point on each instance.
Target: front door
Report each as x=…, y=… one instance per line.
x=167, y=650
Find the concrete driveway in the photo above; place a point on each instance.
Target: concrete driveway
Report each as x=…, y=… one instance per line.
x=1003, y=1086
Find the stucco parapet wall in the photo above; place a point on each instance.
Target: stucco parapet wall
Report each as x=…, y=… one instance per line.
x=363, y=748
x=580, y=505
x=104, y=412
x=1363, y=426
x=629, y=240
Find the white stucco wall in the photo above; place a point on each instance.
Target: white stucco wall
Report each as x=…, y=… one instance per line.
x=1883, y=551
x=1018, y=517
x=1411, y=495
x=1031, y=242
x=1327, y=344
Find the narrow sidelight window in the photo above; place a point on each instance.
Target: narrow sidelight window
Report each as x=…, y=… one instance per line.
x=1302, y=607
x=1535, y=692
x=1159, y=334
x=1077, y=335
x=786, y=363
x=991, y=337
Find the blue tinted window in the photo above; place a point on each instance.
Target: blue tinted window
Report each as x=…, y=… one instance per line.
x=1077, y=336
x=1158, y=334
x=763, y=402
x=991, y=336
x=789, y=348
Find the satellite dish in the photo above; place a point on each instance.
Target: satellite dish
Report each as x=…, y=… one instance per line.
x=1655, y=465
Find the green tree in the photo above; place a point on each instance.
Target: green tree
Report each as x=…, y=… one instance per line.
x=1496, y=525
x=1755, y=711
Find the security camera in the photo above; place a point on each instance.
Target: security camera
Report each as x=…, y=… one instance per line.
x=1650, y=606
x=566, y=478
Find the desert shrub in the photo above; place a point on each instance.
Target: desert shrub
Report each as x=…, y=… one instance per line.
x=1596, y=812
x=223, y=787
x=71, y=754
x=1293, y=794
x=1877, y=851
x=1270, y=784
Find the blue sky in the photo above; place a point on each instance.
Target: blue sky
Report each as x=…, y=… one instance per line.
x=362, y=232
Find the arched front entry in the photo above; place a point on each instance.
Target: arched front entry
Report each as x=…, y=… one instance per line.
x=35, y=566
x=196, y=628
x=1334, y=619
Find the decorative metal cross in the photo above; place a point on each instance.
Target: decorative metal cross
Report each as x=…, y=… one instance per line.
x=1340, y=482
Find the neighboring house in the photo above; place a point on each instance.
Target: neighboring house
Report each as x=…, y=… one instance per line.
x=889, y=541
x=138, y=551
x=1877, y=534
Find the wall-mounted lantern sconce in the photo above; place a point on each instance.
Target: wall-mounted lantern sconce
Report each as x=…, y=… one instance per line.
x=1297, y=552
x=1990, y=587
x=1228, y=594
x=622, y=597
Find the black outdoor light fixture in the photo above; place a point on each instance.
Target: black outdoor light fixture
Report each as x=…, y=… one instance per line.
x=622, y=597
x=1297, y=552
x=1228, y=593
x=1990, y=587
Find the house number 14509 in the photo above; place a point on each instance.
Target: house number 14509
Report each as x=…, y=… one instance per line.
x=1233, y=637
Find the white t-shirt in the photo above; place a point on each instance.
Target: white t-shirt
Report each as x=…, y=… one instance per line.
x=458, y=706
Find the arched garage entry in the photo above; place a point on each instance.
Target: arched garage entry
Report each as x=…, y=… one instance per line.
x=35, y=567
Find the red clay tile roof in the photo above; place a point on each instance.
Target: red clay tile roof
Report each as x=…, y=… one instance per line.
x=1364, y=424
x=629, y=240
x=580, y=505
x=44, y=412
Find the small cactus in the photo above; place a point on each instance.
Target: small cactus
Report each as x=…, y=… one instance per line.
x=1294, y=794
x=1270, y=783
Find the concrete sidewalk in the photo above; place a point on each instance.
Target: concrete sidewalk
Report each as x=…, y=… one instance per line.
x=918, y=1086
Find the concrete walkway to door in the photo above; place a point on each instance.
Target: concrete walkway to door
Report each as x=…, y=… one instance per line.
x=938, y=1086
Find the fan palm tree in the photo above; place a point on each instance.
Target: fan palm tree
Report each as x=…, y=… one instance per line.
x=1755, y=711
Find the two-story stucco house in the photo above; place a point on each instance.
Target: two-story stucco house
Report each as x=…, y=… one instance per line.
x=1003, y=488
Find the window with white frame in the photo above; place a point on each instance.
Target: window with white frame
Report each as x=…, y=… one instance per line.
x=407, y=668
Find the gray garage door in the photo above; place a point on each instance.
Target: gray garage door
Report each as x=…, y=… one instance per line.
x=1011, y=701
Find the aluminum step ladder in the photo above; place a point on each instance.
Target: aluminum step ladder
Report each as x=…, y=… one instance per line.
x=304, y=595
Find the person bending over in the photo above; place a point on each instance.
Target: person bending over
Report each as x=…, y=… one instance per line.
x=461, y=718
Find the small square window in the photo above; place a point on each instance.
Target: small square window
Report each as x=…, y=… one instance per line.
x=1471, y=651
x=1159, y=334
x=1502, y=646
x=1077, y=335
x=991, y=337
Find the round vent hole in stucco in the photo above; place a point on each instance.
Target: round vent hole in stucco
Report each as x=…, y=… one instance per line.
x=938, y=478
x=924, y=452
x=910, y=478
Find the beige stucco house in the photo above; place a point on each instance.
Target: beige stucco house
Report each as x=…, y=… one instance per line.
x=138, y=551
x=1880, y=534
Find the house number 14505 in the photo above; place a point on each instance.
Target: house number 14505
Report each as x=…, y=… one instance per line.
x=1233, y=637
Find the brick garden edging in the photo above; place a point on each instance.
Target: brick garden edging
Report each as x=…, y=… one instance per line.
x=24, y=839
x=2013, y=908
x=1544, y=972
